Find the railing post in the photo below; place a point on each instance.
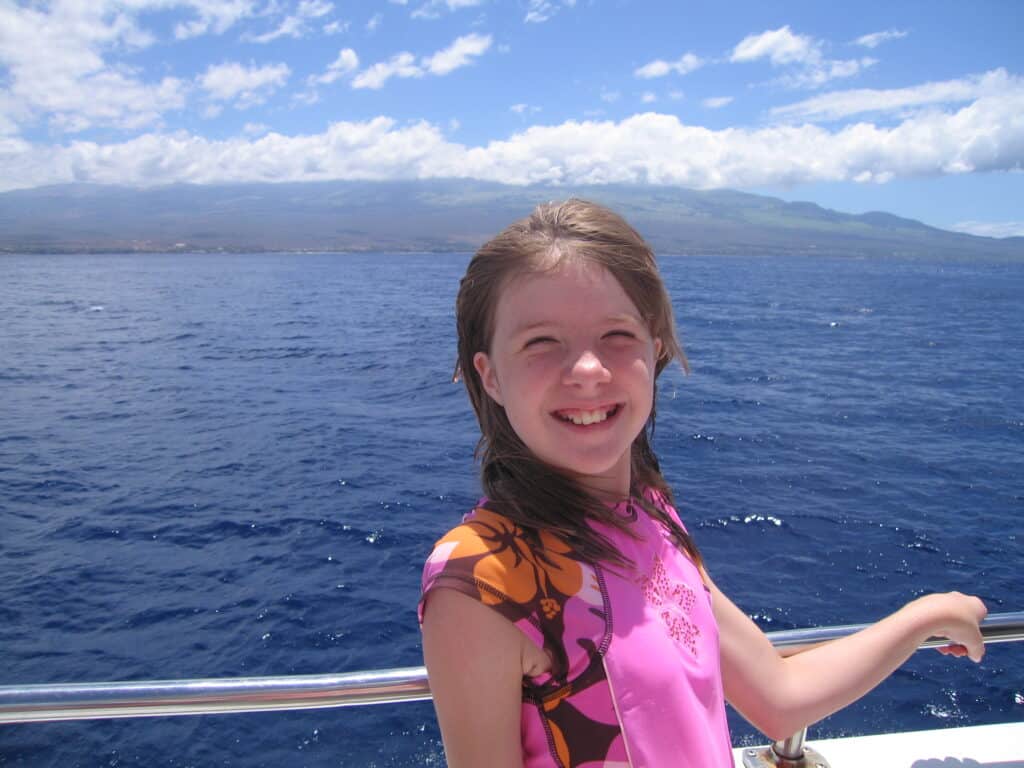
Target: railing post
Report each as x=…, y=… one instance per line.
x=785, y=753
x=791, y=748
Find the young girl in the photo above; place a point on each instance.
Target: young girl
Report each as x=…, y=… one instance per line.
x=569, y=621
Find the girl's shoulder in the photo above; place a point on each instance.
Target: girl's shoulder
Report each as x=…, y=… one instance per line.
x=470, y=558
x=492, y=559
x=479, y=543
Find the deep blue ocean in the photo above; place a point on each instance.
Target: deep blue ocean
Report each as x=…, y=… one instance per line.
x=220, y=465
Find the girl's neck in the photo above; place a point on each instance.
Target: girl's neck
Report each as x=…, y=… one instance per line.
x=610, y=490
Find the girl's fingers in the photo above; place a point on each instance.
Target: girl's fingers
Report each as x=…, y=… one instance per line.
x=956, y=616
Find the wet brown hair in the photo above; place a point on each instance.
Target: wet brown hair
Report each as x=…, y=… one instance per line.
x=518, y=485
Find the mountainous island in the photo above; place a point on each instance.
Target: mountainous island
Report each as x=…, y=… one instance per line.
x=444, y=215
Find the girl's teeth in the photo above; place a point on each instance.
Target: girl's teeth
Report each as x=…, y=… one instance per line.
x=584, y=418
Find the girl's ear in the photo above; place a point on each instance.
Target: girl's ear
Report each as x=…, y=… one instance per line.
x=488, y=376
x=658, y=348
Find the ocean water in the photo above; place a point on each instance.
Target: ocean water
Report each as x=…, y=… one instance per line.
x=219, y=465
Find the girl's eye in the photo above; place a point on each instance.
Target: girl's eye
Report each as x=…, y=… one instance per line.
x=537, y=341
x=620, y=333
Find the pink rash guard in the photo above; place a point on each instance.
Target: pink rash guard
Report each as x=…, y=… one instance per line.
x=635, y=679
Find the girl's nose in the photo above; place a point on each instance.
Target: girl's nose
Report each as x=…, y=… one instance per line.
x=587, y=368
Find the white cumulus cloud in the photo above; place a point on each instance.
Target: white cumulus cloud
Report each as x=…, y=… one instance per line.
x=245, y=86
x=801, y=55
x=985, y=135
x=59, y=68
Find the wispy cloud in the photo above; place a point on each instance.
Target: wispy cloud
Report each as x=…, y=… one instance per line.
x=780, y=46
x=685, y=64
x=539, y=11
x=717, y=102
x=838, y=105
x=400, y=65
x=314, y=9
x=801, y=54
x=211, y=16
x=432, y=9
x=990, y=228
x=295, y=25
x=255, y=129
x=290, y=26
x=460, y=53
x=875, y=39
x=346, y=63
x=523, y=109
x=374, y=22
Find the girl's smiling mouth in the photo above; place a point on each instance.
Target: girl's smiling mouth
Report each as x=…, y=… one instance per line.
x=584, y=418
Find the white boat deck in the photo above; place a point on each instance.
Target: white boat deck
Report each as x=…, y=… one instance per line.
x=980, y=746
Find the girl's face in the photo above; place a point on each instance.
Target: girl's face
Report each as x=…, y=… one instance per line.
x=572, y=362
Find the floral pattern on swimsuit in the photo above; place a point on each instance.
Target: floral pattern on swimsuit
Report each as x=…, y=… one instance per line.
x=558, y=602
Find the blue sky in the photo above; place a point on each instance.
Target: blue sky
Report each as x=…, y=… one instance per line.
x=911, y=107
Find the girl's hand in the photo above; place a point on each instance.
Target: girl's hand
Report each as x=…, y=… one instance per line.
x=952, y=650
x=954, y=616
x=773, y=692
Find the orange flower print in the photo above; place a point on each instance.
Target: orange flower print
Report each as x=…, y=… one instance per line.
x=550, y=607
x=549, y=572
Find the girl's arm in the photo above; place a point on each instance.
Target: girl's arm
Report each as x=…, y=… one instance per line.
x=474, y=659
x=782, y=695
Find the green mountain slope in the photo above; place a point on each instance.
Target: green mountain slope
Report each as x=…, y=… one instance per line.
x=445, y=215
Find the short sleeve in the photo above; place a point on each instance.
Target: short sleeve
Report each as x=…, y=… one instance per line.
x=538, y=584
x=482, y=559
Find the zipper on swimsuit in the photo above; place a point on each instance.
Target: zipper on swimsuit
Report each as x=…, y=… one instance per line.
x=618, y=715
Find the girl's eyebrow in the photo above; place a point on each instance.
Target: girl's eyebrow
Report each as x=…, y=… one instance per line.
x=624, y=318
x=610, y=320
x=528, y=327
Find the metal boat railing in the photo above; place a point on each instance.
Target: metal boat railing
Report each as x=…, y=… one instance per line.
x=149, y=698
x=153, y=698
